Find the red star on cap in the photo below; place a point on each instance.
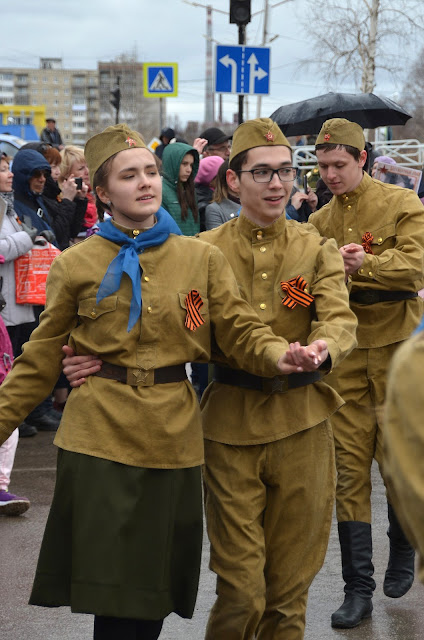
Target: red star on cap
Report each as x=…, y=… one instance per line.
x=327, y=137
x=269, y=136
x=130, y=142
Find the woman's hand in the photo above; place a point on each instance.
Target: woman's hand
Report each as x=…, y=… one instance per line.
x=77, y=368
x=69, y=188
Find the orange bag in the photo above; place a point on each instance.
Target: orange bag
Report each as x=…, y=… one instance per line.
x=31, y=271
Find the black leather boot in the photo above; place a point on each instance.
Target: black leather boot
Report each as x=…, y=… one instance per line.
x=357, y=568
x=400, y=570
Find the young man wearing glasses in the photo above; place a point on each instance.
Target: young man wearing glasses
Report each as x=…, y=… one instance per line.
x=269, y=455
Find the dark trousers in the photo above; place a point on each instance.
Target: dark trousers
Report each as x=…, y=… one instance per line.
x=106, y=628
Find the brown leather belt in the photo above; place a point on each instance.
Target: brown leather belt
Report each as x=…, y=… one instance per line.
x=278, y=384
x=142, y=377
x=372, y=296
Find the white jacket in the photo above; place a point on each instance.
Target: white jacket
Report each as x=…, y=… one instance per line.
x=13, y=243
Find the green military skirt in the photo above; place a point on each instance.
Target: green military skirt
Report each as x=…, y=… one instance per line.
x=121, y=541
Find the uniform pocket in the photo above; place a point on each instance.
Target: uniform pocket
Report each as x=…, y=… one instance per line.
x=383, y=238
x=89, y=308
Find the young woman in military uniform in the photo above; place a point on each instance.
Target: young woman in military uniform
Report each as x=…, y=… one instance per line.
x=123, y=538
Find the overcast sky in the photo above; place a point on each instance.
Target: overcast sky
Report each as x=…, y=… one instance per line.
x=164, y=31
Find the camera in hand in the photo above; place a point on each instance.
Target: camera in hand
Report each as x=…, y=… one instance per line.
x=78, y=182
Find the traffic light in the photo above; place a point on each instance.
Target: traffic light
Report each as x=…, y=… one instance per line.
x=240, y=12
x=116, y=100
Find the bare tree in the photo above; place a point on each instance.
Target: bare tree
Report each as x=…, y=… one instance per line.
x=413, y=100
x=355, y=38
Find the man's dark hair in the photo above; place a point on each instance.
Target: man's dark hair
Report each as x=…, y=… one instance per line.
x=327, y=146
x=238, y=161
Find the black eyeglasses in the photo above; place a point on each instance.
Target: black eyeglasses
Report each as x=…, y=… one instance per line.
x=286, y=174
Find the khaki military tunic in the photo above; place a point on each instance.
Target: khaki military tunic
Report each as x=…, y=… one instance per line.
x=261, y=259
x=150, y=426
x=269, y=459
x=395, y=219
x=404, y=440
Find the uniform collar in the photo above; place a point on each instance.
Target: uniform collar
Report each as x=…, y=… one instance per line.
x=256, y=233
x=129, y=232
x=352, y=196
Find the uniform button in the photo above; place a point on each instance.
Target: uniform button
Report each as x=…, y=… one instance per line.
x=350, y=229
x=136, y=232
x=264, y=276
x=349, y=207
x=259, y=235
x=380, y=240
x=93, y=314
x=346, y=197
x=370, y=273
x=262, y=306
x=361, y=271
x=149, y=309
x=262, y=249
x=146, y=278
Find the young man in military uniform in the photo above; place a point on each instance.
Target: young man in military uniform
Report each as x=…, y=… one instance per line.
x=268, y=446
x=269, y=452
x=379, y=229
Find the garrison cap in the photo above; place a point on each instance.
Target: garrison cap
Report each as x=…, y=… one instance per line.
x=341, y=131
x=104, y=145
x=262, y=132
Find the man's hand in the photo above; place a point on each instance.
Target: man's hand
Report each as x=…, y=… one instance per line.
x=199, y=144
x=299, y=358
x=77, y=368
x=353, y=256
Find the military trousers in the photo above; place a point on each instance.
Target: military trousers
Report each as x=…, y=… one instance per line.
x=268, y=513
x=361, y=381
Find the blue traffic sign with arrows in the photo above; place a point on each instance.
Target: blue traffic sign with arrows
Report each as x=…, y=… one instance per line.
x=241, y=69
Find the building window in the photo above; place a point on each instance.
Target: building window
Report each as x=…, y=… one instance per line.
x=45, y=79
x=66, y=92
x=45, y=91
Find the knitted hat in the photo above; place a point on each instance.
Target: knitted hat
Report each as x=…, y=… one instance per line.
x=341, y=131
x=384, y=159
x=208, y=169
x=262, y=132
x=102, y=146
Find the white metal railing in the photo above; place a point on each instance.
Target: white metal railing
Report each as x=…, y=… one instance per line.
x=408, y=153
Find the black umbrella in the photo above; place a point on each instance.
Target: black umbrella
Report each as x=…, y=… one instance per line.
x=368, y=110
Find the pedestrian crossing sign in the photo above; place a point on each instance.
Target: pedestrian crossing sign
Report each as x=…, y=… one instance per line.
x=160, y=79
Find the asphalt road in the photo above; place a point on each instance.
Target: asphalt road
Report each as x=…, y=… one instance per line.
x=20, y=538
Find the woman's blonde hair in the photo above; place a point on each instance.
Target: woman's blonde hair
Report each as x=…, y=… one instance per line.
x=70, y=154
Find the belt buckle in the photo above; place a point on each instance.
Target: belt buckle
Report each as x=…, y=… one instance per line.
x=278, y=384
x=141, y=377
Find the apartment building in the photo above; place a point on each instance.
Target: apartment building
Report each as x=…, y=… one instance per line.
x=79, y=99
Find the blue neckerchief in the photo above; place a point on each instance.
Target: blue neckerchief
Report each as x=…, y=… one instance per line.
x=127, y=259
x=420, y=327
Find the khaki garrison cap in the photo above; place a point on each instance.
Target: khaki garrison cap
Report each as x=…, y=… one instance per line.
x=104, y=145
x=341, y=131
x=262, y=132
